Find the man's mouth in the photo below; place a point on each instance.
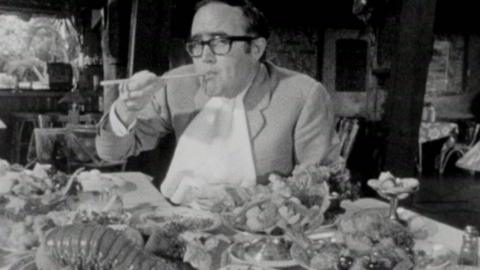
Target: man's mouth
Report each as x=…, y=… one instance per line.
x=210, y=75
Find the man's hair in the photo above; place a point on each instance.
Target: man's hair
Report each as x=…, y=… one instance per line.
x=256, y=21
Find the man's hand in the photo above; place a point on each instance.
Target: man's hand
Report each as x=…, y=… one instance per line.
x=135, y=95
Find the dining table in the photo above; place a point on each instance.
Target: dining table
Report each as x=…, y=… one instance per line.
x=141, y=193
x=439, y=233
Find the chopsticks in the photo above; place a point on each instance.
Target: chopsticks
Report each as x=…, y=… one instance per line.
x=165, y=77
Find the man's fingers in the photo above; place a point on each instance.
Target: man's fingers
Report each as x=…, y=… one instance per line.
x=133, y=105
x=138, y=94
x=141, y=80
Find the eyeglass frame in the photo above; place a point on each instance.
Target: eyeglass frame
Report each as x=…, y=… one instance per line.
x=230, y=39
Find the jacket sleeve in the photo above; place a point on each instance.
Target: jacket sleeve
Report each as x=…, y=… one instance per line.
x=152, y=124
x=316, y=141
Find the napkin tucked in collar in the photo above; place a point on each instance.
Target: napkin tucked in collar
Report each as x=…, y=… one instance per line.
x=215, y=149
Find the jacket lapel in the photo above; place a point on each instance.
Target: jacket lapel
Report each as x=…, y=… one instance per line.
x=258, y=98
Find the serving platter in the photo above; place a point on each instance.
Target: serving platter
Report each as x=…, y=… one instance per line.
x=243, y=267
x=460, y=267
x=194, y=220
x=432, y=256
x=241, y=253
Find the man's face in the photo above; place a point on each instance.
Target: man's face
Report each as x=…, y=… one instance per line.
x=227, y=74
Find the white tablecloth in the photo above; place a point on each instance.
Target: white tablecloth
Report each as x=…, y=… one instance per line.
x=144, y=193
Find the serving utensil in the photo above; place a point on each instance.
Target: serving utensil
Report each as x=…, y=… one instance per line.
x=164, y=77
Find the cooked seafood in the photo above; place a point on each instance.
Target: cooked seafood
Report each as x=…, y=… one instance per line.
x=94, y=247
x=389, y=185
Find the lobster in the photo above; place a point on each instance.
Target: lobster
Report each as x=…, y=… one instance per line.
x=86, y=246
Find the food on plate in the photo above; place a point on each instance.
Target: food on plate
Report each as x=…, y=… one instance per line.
x=130, y=233
x=166, y=241
x=363, y=229
x=338, y=256
x=36, y=192
x=260, y=217
x=322, y=256
x=165, y=228
x=300, y=203
x=104, y=208
x=171, y=239
x=203, y=250
x=265, y=251
x=101, y=218
x=242, y=267
x=24, y=235
x=460, y=267
x=389, y=185
x=191, y=223
x=430, y=255
x=93, y=246
x=274, y=217
x=42, y=180
x=368, y=239
x=193, y=220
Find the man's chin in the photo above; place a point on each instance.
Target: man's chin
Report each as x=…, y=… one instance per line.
x=213, y=91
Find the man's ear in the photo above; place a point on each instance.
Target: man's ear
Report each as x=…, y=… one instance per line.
x=258, y=46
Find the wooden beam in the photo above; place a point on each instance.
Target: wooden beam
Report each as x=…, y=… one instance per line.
x=403, y=107
x=151, y=38
x=115, y=31
x=132, y=37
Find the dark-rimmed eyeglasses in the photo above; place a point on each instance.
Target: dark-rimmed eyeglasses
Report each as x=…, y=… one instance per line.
x=220, y=45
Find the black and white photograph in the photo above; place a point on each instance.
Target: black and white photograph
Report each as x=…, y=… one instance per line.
x=239, y=135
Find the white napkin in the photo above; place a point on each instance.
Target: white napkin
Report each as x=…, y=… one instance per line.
x=214, y=150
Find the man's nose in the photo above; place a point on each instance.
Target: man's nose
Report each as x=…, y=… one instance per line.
x=207, y=55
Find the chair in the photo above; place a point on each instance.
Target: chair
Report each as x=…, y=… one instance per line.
x=23, y=124
x=454, y=147
x=347, y=129
x=50, y=120
x=81, y=152
x=47, y=124
x=73, y=144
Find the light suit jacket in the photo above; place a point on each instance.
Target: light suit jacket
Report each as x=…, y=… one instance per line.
x=289, y=116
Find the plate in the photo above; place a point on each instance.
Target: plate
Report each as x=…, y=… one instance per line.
x=243, y=267
x=194, y=220
x=461, y=267
x=421, y=227
x=242, y=230
x=241, y=253
x=432, y=256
